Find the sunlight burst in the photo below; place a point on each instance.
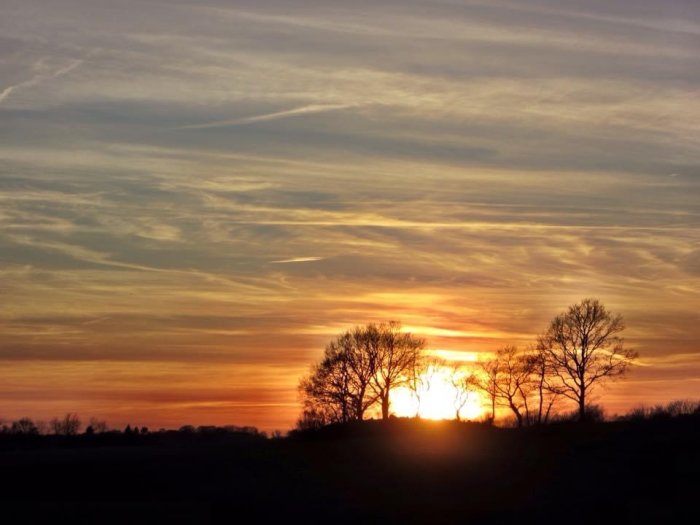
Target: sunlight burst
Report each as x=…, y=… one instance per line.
x=437, y=397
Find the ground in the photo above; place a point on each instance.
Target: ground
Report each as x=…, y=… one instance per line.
x=400, y=471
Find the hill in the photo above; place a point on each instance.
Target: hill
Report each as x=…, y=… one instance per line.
x=398, y=471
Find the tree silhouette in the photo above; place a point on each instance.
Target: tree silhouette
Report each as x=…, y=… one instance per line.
x=69, y=425
x=507, y=380
x=485, y=380
x=513, y=381
x=584, y=349
x=358, y=351
x=463, y=388
x=423, y=376
x=358, y=369
x=337, y=390
x=544, y=386
x=397, y=355
x=24, y=426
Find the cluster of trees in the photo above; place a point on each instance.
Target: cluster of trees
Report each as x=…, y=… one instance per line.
x=580, y=349
x=359, y=370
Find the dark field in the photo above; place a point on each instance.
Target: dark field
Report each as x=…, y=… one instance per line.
x=401, y=471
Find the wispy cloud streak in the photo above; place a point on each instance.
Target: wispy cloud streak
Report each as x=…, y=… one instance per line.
x=298, y=260
x=40, y=78
x=295, y=112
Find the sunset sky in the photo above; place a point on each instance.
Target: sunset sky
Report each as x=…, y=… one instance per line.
x=195, y=196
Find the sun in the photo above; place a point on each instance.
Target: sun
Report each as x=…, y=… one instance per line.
x=437, y=398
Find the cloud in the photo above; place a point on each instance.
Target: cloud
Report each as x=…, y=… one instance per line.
x=298, y=260
x=304, y=110
x=40, y=78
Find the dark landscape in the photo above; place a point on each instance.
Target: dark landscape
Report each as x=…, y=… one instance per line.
x=396, y=471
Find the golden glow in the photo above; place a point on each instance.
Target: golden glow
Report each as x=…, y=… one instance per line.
x=437, y=397
x=455, y=355
x=173, y=268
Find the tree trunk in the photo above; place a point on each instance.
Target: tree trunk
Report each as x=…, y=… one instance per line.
x=582, y=406
x=528, y=417
x=549, y=408
x=540, y=407
x=360, y=415
x=385, y=406
x=344, y=411
x=518, y=415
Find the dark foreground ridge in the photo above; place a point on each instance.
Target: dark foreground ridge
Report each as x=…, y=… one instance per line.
x=397, y=471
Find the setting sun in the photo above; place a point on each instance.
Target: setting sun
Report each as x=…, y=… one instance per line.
x=437, y=397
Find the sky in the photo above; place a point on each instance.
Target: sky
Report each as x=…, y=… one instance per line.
x=196, y=196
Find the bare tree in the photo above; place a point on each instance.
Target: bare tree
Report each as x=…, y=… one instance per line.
x=463, y=388
x=513, y=382
x=326, y=392
x=397, y=355
x=485, y=380
x=362, y=350
x=338, y=387
x=69, y=425
x=358, y=369
x=507, y=380
x=544, y=387
x=585, y=349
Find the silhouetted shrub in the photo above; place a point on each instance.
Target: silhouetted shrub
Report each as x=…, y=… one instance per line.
x=594, y=414
x=682, y=407
x=312, y=419
x=673, y=409
x=24, y=426
x=638, y=413
x=99, y=426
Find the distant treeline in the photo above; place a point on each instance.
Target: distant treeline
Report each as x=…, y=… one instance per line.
x=71, y=425
x=98, y=430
